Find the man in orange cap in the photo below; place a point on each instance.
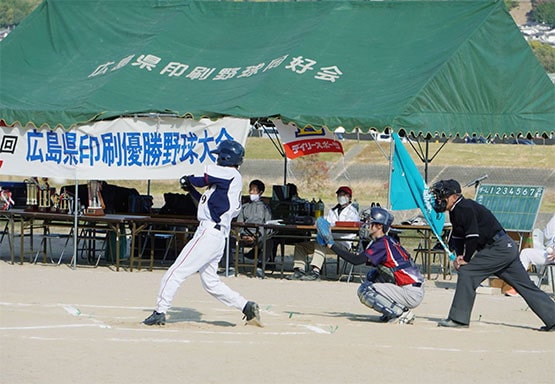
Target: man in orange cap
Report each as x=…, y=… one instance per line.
x=343, y=211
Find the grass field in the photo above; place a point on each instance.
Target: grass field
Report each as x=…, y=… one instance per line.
x=493, y=155
x=452, y=154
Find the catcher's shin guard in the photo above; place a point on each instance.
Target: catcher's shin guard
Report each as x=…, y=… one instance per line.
x=378, y=302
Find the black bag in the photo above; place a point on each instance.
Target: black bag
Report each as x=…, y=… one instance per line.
x=178, y=204
x=140, y=204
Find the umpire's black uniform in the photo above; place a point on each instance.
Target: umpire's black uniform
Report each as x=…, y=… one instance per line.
x=474, y=226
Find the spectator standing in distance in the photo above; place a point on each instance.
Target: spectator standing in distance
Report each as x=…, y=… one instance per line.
x=342, y=211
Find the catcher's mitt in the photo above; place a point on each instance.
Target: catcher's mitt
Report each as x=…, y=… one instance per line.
x=324, y=236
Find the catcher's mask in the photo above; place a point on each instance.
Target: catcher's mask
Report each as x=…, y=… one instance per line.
x=441, y=191
x=376, y=215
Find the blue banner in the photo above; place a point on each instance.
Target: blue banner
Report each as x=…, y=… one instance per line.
x=408, y=190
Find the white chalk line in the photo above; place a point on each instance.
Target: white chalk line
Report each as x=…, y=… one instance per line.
x=73, y=310
x=35, y=327
x=71, y=305
x=237, y=342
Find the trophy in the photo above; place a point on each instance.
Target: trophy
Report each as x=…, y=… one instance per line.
x=32, y=185
x=44, y=196
x=96, y=203
x=65, y=202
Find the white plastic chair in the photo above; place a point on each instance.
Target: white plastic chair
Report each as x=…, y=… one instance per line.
x=545, y=270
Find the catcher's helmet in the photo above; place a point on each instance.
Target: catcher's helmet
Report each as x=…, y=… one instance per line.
x=441, y=191
x=230, y=153
x=378, y=215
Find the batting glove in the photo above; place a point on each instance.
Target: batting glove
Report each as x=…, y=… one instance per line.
x=185, y=183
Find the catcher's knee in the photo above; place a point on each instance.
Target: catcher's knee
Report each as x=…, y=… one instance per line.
x=368, y=296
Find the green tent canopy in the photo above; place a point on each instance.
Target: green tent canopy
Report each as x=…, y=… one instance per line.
x=425, y=67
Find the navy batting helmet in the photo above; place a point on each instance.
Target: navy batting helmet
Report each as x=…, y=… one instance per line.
x=230, y=153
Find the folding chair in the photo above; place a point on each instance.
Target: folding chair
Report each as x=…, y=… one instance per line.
x=5, y=231
x=151, y=236
x=240, y=246
x=45, y=246
x=349, y=270
x=91, y=244
x=547, y=270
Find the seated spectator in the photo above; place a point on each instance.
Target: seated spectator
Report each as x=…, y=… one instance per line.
x=538, y=255
x=343, y=211
x=255, y=211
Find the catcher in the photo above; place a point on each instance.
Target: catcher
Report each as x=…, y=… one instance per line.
x=394, y=286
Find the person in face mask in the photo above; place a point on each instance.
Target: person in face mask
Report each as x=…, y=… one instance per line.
x=342, y=211
x=255, y=211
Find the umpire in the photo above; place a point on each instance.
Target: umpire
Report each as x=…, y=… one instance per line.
x=483, y=248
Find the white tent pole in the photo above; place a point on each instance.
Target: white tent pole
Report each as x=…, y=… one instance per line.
x=391, y=151
x=75, y=219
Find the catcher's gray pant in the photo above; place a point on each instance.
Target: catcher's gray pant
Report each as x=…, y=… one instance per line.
x=390, y=299
x=500, y=259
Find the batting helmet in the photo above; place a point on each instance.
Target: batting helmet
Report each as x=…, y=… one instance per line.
x=230, y=153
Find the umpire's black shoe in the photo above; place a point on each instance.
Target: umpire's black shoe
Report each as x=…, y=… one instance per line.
x=156, y=318
x=547, y=328
x=252, y=314
x=451, y=324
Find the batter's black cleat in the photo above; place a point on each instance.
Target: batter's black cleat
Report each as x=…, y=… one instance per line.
x=546, y=328
x=252, y=314
x=156, y=318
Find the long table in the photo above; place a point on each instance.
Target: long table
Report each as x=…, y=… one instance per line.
x=141, y=224
x=151, y=226
x=28, y=219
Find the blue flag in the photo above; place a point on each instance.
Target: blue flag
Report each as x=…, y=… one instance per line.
x=408, y=190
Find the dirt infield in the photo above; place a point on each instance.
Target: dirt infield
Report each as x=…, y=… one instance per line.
x=60, y=325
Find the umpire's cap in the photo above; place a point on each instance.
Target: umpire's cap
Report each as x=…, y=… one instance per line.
x=345, y=190
x=230, y=153
x=446, y=188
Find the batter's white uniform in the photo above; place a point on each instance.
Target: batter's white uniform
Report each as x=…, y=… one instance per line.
x=219, y=204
